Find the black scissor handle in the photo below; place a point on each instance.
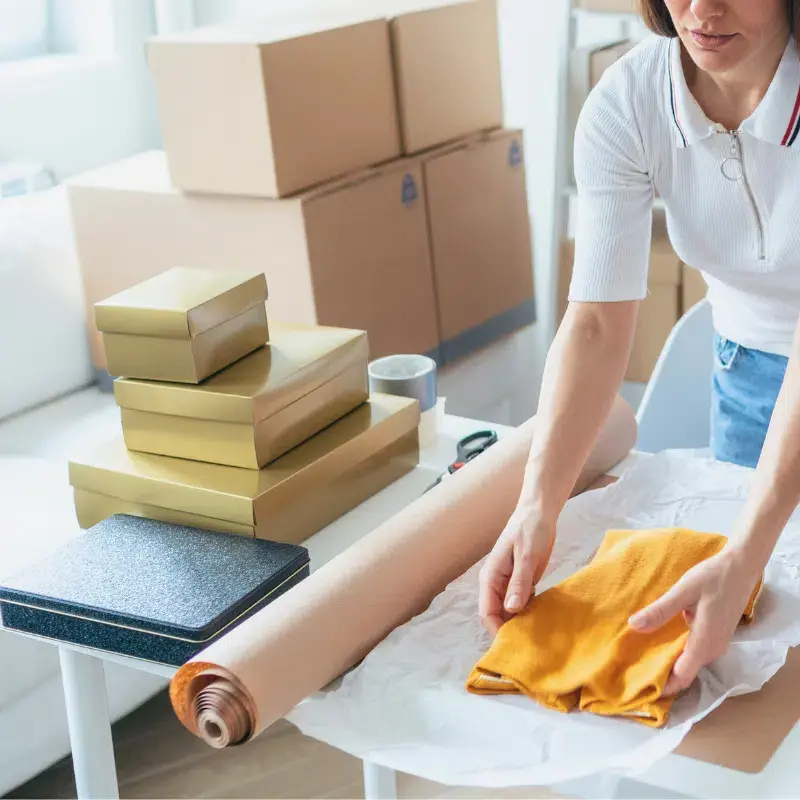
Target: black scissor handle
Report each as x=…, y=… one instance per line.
x=475, y=443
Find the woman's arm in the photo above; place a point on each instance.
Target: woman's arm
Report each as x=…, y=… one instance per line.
x=587, y=362
x=714, y=594
x=584, y=371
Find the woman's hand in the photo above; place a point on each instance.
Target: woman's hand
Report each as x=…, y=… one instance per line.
x=515, y=565
x=712, y=597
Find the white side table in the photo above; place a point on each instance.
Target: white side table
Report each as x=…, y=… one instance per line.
x=82, y=668
x=90, y=729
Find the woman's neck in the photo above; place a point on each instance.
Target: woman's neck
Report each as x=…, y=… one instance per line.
x=729, y=98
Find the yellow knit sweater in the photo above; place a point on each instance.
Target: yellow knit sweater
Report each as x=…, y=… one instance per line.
x=572, y=647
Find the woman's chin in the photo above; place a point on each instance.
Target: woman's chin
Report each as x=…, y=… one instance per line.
x=722, y=60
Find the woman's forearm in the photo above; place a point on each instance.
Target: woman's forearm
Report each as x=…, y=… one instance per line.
x=584, y=371
x=775, y=492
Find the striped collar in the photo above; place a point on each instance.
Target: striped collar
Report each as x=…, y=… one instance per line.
x=776, y=120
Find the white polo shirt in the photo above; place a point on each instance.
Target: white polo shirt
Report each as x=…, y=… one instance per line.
x=641, y=132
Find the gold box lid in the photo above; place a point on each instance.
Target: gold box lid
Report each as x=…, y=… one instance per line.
x=181, y=303
x=297, y=360
x=243, y=495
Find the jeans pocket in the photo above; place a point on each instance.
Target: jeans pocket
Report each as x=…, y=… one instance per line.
x=726, y=352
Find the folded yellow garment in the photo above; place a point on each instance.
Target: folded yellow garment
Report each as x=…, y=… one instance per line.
x=572, y=647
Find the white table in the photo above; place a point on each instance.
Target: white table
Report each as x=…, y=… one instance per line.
x=90, y=729
x=82, y=668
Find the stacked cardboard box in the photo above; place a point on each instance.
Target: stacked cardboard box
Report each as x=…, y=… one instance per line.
x=234, y=427
x=693, y=287
x=360, y=165
x=618, y=6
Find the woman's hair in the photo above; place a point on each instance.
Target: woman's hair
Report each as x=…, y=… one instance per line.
x=658, y=19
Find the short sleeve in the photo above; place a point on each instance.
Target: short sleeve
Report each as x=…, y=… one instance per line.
x=615, y=195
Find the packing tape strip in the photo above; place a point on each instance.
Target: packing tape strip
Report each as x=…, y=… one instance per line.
x=431, y=422
x=411, y=376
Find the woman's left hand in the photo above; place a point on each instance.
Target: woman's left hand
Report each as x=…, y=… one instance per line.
x=712, y=597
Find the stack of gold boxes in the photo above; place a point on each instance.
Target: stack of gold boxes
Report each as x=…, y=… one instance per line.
x=235, y=424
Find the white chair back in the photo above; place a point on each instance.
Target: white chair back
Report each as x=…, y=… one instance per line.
x=676, y=406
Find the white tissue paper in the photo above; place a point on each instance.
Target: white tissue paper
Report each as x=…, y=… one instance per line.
x=405, y=705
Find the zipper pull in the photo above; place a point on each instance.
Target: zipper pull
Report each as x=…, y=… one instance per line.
x=732, y=168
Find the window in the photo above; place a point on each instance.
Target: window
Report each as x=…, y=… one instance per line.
x=24, y=29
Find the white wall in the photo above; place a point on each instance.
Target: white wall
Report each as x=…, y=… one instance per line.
x=530, y=33
x=76, y=111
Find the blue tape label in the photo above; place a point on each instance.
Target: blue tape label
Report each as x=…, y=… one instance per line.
x=514, y=154
x=410, y=193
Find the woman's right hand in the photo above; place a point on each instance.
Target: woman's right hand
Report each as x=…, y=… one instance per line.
x=514, y=567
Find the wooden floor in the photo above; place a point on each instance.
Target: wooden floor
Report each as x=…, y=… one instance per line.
x=157, y=758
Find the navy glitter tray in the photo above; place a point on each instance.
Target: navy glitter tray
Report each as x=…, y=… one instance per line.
x=149, y=589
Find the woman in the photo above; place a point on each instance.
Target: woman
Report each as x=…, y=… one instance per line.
x=707, y=114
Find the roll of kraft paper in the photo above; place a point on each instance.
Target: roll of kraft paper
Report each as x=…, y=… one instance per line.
x=238, y=686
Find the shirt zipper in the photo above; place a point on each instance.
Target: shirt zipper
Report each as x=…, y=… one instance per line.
x=738, y=153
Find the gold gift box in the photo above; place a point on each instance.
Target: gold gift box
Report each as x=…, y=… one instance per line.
x=184, y=324
x=257, y=409
x=287, y=501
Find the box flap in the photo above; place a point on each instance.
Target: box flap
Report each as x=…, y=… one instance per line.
x=472, y=141
x=181, y=303
x=231, y=493
x=297, y=360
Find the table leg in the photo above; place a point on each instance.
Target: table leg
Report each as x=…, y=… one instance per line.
x=380, y=783
x=89, y=725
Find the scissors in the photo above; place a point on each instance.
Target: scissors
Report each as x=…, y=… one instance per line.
x=466, y=449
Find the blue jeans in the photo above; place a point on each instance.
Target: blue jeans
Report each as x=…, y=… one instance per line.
x=745, y=388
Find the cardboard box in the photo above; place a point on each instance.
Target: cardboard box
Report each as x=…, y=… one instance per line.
x=693, y=287
x=352, y=254
x=269, y=108
x=339, y=468
x=658, y=312
x=616, y=6
x=447, y=68
x=184, y=324
x=480, y=232
x=601, y=58
x=257, y=409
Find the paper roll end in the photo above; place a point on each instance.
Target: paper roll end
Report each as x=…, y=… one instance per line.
x=214, y=708
x=221, y=715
